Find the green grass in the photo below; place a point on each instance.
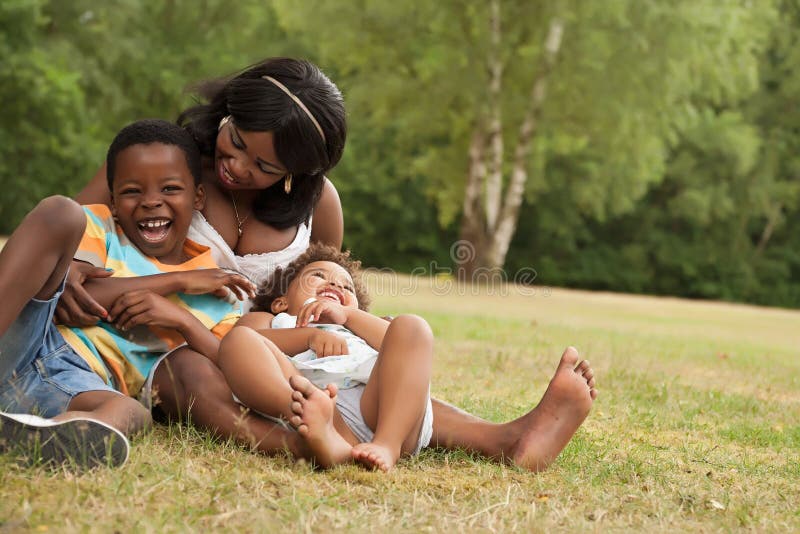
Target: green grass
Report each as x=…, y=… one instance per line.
x=697, y=427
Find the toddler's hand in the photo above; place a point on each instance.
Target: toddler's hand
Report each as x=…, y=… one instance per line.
x=327, y=344
x=321, y=311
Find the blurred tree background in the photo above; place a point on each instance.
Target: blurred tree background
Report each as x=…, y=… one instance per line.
x=626, y=145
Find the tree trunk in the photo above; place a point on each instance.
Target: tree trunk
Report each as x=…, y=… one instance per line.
x=766, y=234
x=486, y=233
x=494, y=178
x=472, y=234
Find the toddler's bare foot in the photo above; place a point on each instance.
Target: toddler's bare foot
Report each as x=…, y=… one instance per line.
x=313, y=419
x=375, y=456
x=546, y=430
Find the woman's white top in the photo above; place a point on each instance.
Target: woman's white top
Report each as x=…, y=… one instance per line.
x=257, y=267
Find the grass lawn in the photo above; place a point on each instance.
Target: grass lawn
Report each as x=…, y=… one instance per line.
x=697, y=427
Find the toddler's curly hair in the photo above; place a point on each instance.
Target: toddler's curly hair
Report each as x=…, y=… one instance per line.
x=278, y=284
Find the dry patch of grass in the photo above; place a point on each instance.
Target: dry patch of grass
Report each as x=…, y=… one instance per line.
x=696, y=427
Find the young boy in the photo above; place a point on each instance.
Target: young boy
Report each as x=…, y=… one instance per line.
x=383, y=409
x=159, y=296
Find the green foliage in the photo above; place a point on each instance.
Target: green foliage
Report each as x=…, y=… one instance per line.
x=78, y=71
x=665, y=159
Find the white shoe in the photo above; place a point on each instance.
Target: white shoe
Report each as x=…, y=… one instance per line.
x=83, y=442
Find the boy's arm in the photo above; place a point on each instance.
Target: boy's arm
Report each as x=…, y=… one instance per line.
x=147, y=308
x=198, y=337
x=215, y=281
x=107, y=290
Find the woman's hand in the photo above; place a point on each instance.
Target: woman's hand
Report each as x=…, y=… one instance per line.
x=327, y=344
x=76, y=307
x=321, y=311
x=217, y=282
x=144, y=307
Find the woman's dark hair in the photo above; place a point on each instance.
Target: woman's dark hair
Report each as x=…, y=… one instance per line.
x=278, y=284
x=258, y=105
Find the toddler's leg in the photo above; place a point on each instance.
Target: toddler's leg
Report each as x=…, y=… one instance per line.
x=189, y=386
x=257, y=372
x=36, y=257
x=319, y=422
x=395, y=398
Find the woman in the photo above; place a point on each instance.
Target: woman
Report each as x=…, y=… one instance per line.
x=269, y=135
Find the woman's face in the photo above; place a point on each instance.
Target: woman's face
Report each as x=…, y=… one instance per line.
x=246, y=160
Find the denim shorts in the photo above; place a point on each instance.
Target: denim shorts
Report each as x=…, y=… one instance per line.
x=39, y=372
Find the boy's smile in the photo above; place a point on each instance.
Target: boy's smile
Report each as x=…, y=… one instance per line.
x=153, y=198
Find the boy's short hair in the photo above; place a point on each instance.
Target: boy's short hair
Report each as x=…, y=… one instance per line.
x=278, y=284
x=148, y=131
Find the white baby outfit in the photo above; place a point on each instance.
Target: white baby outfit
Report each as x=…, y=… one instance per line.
x=345, y=371
x=350, y=373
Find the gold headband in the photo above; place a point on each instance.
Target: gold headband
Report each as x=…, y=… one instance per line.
x=298, y=102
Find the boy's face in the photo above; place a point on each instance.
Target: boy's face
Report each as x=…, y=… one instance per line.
x=321, y=280
x=153, y=198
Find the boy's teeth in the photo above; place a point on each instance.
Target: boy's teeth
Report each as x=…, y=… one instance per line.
x=154, y=224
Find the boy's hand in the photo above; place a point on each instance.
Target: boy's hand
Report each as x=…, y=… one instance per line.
x=217, y=282
x=146, y=308
x=327, y=344
x=321, y=311
x=76, y=307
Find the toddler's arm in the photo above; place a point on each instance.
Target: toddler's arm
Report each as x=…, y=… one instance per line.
x=293, y=341
x=368, y=327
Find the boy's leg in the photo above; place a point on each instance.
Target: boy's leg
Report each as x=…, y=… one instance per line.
x=92, y=432
x=111, y=408
x=190, y=387
x=396, y=395
x=90, y=420
x=36, y=257
x=257, y=372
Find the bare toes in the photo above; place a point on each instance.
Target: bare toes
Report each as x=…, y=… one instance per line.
x=590, y=383
x=332, y=390
x=582, y=367
x=302, y=385
x=296, y=395
x=297, y=408
x=569, y=358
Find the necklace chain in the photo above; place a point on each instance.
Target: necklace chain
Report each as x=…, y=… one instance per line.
x=239, y=222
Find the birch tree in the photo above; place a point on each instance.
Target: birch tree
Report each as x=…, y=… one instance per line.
x=498, y=102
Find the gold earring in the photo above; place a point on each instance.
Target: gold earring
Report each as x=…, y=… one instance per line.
x=225, y=120
x=287, y=184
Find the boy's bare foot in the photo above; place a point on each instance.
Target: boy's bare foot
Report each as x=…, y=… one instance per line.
x=546, y=430
x=375, y=456
x=313, y=419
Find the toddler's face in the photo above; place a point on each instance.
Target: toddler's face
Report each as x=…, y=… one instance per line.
x=321, y=280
